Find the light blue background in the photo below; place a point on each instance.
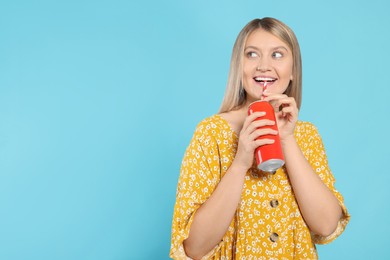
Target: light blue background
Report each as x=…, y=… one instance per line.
x=99, y=99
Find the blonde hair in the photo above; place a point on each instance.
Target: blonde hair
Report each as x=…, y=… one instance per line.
x=235, y=95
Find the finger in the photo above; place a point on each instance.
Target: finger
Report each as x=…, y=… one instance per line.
x=261, y=132
x=259, y=123
x=272, y=96
x=289, y=102
x=290, y=110
x=284, y=102
x=249, y=119
x=275, y=101
x=277, y=97
x=287, y=111
x=262, y=142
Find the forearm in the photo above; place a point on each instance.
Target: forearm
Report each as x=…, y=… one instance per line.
x=213, y=218
x=318, y=205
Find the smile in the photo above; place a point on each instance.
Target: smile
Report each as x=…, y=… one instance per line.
x=264, y=79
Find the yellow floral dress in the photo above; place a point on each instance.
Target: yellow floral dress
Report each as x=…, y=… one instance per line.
x=267, y=223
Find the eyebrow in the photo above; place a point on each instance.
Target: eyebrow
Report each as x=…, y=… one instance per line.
x=274, y=48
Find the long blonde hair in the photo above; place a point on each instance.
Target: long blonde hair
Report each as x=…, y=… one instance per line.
x=235, y=95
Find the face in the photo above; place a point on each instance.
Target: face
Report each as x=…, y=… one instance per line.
x=267, y=64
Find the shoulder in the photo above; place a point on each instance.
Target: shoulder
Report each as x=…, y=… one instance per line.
x=308, y=138
x=208, y=122
x=304, y=127
x=213, y=127
x=306, y=132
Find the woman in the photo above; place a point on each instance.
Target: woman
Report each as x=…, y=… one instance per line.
x=228, y=209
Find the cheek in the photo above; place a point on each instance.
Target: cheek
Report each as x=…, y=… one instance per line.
x=288, y=71
x=247, y=67
x=247, y=72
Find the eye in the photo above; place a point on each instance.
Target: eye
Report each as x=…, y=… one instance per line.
x=277, y=54
x=251, y=54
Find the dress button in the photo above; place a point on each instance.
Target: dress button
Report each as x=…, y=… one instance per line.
x=274, y=237
x=274, y=203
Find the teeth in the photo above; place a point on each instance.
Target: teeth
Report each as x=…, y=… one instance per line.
x=264, y=79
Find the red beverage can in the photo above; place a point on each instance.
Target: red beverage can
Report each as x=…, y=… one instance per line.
x=269, y=157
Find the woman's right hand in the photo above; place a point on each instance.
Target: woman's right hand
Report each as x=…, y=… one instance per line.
x=247, y=142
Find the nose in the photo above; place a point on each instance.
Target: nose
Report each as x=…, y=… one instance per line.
x=264, y=64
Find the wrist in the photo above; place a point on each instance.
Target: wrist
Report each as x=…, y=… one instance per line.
x=237, y=168
x=288, y=140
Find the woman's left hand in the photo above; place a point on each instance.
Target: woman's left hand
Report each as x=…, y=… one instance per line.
x=286, y=112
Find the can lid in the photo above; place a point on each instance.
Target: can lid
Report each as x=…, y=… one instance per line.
x=271, y=165
x=257, y=101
